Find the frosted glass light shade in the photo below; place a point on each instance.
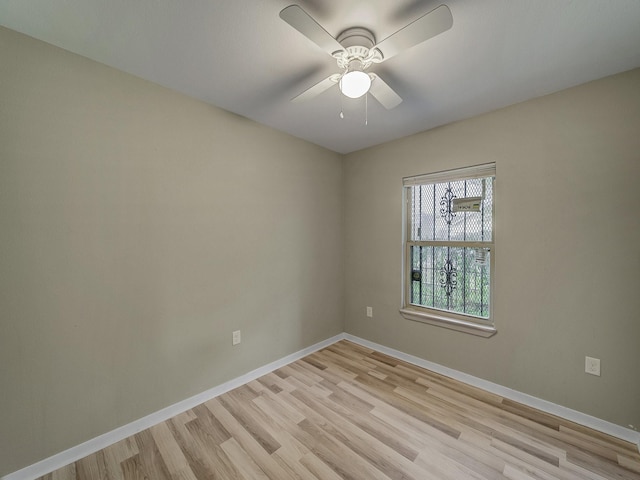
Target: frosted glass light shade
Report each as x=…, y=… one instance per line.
x=354, y=84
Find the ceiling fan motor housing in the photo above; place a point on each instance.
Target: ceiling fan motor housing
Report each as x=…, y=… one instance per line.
x=357, y=37
x=357, y=43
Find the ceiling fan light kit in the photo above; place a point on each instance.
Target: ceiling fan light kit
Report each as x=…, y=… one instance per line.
x=355, y=50
x=355, y=82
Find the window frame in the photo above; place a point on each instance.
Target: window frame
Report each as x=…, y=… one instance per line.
x=444, y=318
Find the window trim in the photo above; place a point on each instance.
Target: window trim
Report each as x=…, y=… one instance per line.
x=442, y=318
x=451, y=323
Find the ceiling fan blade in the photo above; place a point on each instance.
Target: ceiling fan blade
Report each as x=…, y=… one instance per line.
x=427, y=26
x=318, y=88
x=384, y=93
x=307, y=26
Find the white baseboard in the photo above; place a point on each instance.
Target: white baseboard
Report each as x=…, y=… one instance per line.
x=98, y=443
x=567, y=413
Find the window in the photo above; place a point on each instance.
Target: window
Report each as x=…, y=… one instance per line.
x=449, y=249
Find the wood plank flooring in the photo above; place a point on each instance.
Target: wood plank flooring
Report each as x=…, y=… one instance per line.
x=347, y=412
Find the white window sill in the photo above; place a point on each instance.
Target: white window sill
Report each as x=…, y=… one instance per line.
x=448, y=322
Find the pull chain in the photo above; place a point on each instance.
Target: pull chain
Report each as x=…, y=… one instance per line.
x=341, y=109
x=366, y=109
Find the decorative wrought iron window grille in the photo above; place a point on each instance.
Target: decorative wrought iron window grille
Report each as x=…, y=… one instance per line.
x=448, y=252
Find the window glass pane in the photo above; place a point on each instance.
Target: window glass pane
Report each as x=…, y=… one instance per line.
x=451, y=278
x=433, y=216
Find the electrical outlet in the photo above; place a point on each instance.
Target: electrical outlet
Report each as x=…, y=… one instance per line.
x=236, y=339
x=369, y=312
x=592, y=366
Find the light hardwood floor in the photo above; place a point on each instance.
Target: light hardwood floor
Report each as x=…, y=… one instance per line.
x=347, y=412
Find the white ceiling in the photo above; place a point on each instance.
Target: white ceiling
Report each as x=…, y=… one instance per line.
x=240, y=56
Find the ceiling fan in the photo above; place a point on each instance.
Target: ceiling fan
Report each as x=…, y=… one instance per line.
x=355, y=50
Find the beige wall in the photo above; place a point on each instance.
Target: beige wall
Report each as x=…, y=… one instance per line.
x=138, y=229
x=567, y=245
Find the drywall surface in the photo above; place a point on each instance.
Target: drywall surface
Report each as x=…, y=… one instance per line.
x=567, y=229
x=139, y=229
